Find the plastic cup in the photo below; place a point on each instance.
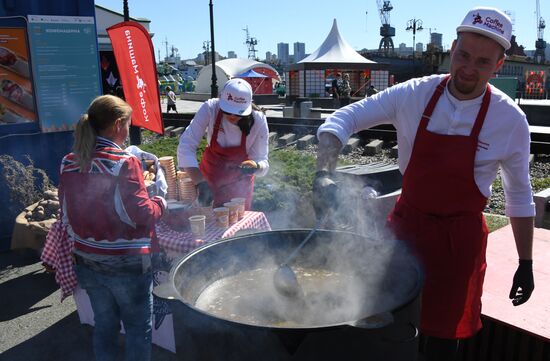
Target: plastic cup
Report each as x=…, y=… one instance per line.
x=223, y=221
x=233, y=211
x=207, y=212
x=198, y=225
x=240, y=202
x=222, y=217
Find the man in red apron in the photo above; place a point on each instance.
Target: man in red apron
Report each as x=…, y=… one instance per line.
x=439, y=212
x=237, y=146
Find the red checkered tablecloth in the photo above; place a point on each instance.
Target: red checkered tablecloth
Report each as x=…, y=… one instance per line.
x=57, y=254
x=184, y=242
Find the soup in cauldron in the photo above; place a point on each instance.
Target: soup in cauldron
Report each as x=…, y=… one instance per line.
x=250, y=297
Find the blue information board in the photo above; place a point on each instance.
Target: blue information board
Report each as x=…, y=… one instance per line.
x=65, y=68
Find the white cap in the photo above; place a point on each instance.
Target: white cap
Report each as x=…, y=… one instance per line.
x=489, y=22
x=236, y=97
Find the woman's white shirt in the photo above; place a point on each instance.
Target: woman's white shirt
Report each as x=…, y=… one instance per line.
x=229, y=135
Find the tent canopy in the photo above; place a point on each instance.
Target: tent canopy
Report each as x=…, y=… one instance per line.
x=251, y=74
x=230, y=68
x=335, y=53
x=335, y=50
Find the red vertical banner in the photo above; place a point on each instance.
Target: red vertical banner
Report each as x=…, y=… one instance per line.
x=135, y=59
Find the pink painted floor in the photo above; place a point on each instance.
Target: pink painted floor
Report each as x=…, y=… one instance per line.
x=502, y=260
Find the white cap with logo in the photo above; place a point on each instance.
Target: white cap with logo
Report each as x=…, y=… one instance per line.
x=489, y=22
x=236, y=97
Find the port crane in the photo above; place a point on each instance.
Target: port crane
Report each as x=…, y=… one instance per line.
x=540, y=44
x=386, y=31
x=251, y=45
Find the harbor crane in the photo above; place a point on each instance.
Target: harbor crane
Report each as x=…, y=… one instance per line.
x=540, y=44
x=386, y=31
x=251, y=45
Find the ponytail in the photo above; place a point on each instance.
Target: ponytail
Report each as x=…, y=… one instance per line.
x=84, y=143
x=102, y=114
x=246, y=123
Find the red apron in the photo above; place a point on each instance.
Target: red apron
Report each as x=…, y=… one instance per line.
x=439, y=214
x=220, y=168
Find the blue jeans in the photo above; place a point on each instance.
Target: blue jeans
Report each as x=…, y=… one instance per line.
x=115, y=298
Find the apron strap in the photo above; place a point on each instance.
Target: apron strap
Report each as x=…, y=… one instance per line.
x=481, y=114
x=216, y=129
x=432, y=103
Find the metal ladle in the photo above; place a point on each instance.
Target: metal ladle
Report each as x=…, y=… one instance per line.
x=284, y=278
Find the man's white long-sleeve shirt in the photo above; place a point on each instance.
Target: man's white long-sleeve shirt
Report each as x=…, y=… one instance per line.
x=504, y=140
x=257, y=145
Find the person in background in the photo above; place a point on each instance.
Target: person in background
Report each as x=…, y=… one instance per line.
x=335, y=89
x=237, y=146
x=171, y=99
x=345, y=91
x=111, y=220
x=454, y=132
x=371, y=90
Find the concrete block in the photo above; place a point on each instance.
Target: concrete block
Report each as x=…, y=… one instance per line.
x=167, y=130
x=286, y=139
x=272, y=137
x=351, y=145
x=288, y=112
x=177, y=131
x=531, y=159
x=305, y=109
x=394, y=152
x=305, y=141
x=374, y=147
x=314, y=114
x=541, y=202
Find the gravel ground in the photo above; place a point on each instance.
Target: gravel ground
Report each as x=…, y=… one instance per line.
x=540, y=169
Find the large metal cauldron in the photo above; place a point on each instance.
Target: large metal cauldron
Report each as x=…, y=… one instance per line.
x=375, y=319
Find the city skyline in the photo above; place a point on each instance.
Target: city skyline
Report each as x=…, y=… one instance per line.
x=185, y=25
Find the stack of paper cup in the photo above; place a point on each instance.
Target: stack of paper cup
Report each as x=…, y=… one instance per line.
x=233, y=211
x=222, y=217
x=240, y=202
x=167, y=163
x=186, y=190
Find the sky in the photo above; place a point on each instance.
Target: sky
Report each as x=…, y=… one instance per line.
x=185, y=24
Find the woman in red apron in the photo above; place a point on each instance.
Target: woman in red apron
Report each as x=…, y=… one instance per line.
x=224, y=172
x=237, y=149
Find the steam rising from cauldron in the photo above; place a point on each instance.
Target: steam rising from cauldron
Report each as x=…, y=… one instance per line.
x=378, y=270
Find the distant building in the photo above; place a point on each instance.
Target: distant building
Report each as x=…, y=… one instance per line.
x=268, y=56
x=436, y=39
x=299, y=51
x=231, y=54
x=189, y=69
x=282, y=53
x=404, y=50
x=274, y=58
x=419, y=48
x=201, y=58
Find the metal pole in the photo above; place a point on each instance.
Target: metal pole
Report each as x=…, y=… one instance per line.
x=414, y=36
x=135, y=132
x=414, y=25
x=214, y=88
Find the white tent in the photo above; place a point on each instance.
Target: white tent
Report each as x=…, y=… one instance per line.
x=335, y=50
x=311, y=76
x=227, y=69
